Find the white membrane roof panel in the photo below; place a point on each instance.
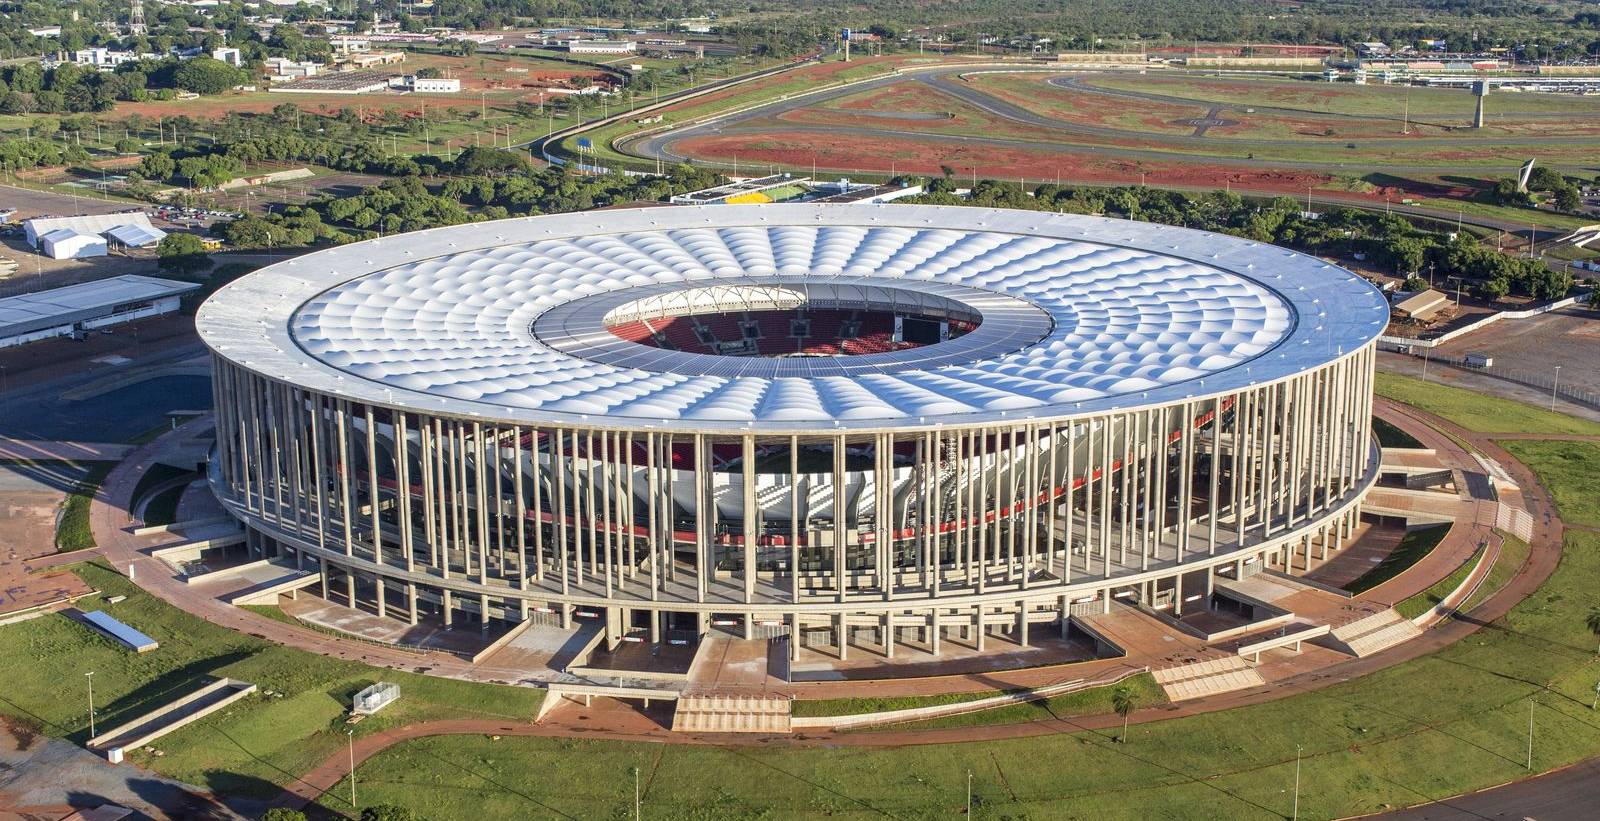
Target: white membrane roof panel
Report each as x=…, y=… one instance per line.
x=1089, y=315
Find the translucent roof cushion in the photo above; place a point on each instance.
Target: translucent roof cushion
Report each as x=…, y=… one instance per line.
x=1156, y=319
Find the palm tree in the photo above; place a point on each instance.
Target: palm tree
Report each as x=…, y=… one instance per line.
x=1123, y=702
x=1593, y=623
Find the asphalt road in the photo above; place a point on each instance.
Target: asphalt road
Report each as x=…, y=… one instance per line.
x=758, y=120
x=1572, y=794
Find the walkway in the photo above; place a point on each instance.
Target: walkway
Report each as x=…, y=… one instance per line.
x=33, y=450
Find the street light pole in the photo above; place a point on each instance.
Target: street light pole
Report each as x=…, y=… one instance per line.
x=90, y=675
x=352, y=735
x=1298, y=749
x=1530, y=733
x=969, y=793
x=1553, y=385
x=636, y=816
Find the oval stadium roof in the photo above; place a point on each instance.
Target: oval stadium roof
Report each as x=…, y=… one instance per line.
x=1091, y=315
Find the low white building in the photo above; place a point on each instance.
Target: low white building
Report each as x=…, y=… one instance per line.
x=77, y=308
x=602, y=46
x=92, y=224
x=67, y=243
x=429, y=85
x=286, y=69
x=231, y=56
x=102, y=58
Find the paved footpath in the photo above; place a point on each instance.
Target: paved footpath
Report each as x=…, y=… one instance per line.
x=34, y=450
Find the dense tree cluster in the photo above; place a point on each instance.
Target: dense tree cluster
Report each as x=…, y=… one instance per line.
x=1383, y=240
x=410, y=204
x=19, y=155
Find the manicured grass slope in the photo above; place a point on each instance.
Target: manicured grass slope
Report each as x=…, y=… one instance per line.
x=1413, y=547
x=1571, y=470
x=250, y=747
x=1369, y=744
x=72, y=528
x=1477, y=411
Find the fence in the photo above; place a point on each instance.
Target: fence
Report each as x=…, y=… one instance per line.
x=1543, y=380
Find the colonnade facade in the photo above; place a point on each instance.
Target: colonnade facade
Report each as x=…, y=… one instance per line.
x=932, y=533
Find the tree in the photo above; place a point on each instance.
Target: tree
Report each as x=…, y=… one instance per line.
x=1568, y=199
x=387, y=812
x=1593, y=623
x=1505, y=193
x=182, y=253
x=283, y=814
x=203, y=75
x=1123, y=702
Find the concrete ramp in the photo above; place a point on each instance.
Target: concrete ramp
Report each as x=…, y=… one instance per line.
x=717, y=713
x=267, y=590
x=1375, y=633
x=1208, y=678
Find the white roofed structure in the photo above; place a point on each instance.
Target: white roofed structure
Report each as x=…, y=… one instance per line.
x=70, y=243
x=86, y=224
x=61, y=311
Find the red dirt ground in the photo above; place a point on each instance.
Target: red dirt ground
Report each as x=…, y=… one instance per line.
x=874, y=155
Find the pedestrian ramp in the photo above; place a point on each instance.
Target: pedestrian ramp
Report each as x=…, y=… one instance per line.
x=731, y=713
x=1208, y=678
x=1377, y=632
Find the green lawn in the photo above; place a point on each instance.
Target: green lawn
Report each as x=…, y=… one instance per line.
x=856, y=706
x=1369, y=744
x=247, y=749
x=1571, y=470
x=72, y=528
x=1412, y=548
x=1513, y=553
x=1430, y=598
x=1390, y=436
x=1477, y=411
x=1095, y=700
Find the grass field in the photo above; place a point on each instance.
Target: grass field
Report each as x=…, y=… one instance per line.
x=1570, y=471
x=1369, y=745
x=1428, y=105
x=1477, y=411
x=72, y=527
x=247, y=749
x=1420, y=603
x=1413, y=547
x=1390, y=436
x=1095, y=700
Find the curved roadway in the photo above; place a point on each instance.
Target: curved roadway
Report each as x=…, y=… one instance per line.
x=945, y=80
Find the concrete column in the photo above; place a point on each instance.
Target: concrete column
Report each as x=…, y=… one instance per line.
x=978, y=628
x=888, y=635
x=411, y=602
x=1177, y=596
x=379, y=597
x=841, y=635
x=749, y=625
x=483, y=608
x=445, y=608
x=794, y=636
x=934, y=631
x=566, y=616
x=350, y=588
x=1022, y=623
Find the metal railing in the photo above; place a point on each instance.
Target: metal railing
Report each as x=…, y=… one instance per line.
x=1543, y=380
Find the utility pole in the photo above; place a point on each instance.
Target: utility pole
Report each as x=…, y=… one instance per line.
x=1297, y=752
x=1530, y=733
x=969, y=793
x=636, y=816
x=352, y=735
x=90, y=676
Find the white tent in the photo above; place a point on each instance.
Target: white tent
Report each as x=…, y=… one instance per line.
x=66, y=243
x=135, y=236
x=35, y=229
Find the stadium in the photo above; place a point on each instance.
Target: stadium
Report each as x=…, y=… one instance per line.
x=843, y=423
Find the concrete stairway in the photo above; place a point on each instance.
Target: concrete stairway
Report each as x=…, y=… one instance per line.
x=1207, y=678
x=1376, y=632
x=719, y=713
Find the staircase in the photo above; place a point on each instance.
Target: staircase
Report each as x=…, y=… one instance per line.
x=1376, y=632
x=720, y=713
x=1208, y=678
